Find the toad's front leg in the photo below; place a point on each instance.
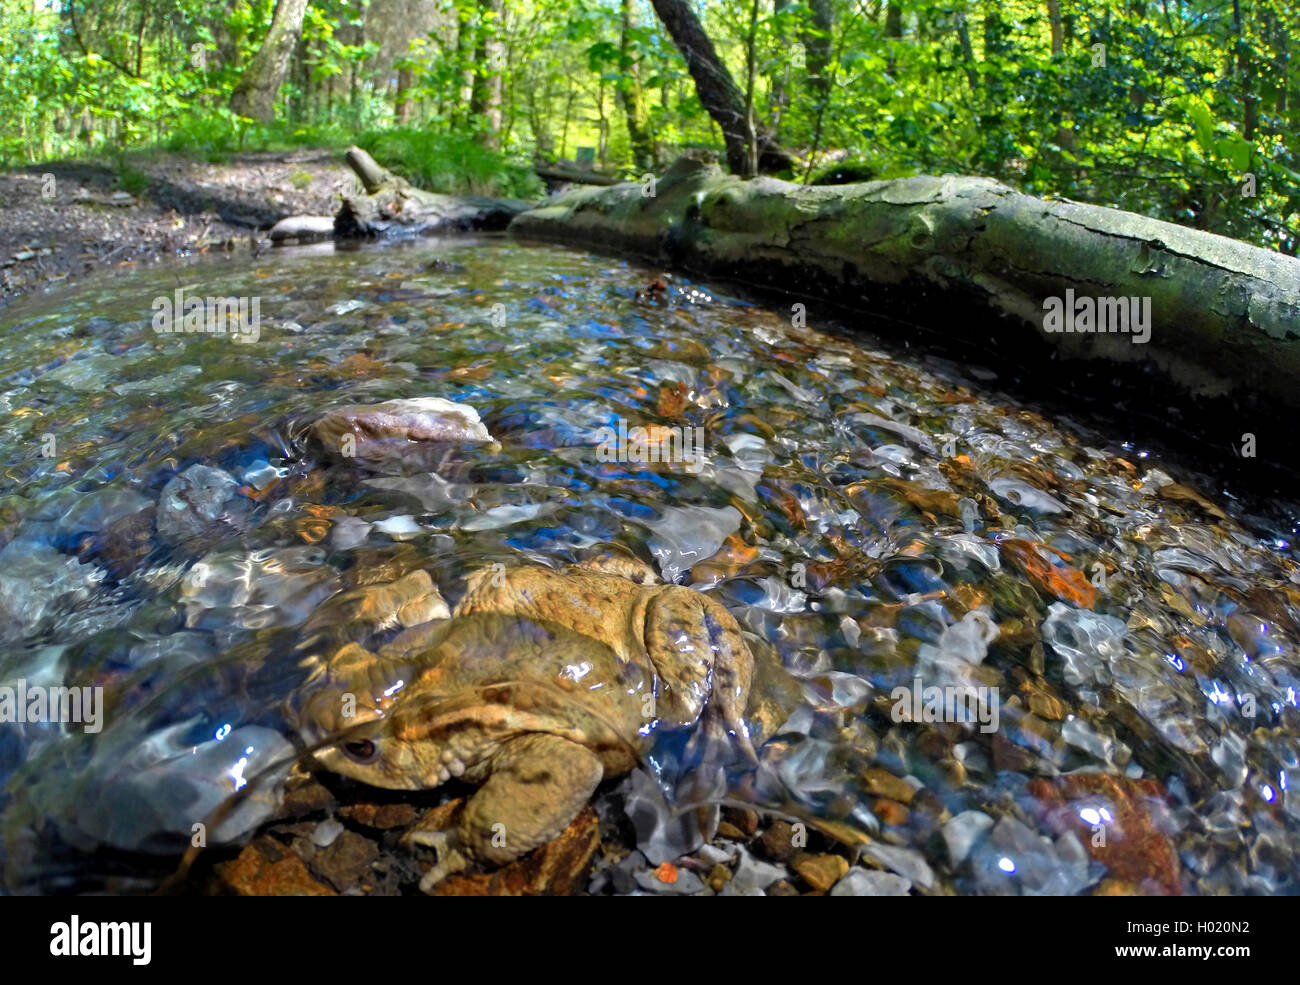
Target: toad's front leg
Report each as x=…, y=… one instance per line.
x=538, y=784
x=704, y=666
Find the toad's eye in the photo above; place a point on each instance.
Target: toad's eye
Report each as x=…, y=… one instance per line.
x=362, y=750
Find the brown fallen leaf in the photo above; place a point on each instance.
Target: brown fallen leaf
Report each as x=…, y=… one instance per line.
x=1179, y=493
x=266, y=868
x=1060, y=581
x=558, y=868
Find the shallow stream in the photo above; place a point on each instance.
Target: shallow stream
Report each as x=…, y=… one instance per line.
x=878, y=520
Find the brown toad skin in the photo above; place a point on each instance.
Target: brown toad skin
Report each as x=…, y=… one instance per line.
x=541, y=684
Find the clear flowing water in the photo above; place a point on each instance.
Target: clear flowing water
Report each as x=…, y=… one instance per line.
x=878, y=522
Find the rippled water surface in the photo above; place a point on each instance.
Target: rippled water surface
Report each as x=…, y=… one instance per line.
x=876, y=522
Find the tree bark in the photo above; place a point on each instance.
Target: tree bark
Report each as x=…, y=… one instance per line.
x=1250, y=101
x=1064, y=136
x=718, y=93
x=464, y=61
x=402, y=110
x=560, y=173
x=967, y=51
x=487, y=77
x=1222, y=313
x=392, y=207
x=817, y=43
x=631, y=96
x=893, y=32
x=777, y=79
x=1055, y=26
x=259, y=86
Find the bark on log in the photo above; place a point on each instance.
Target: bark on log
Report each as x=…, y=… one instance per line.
x=392, y=207
x=966, y=255
x=556, y=172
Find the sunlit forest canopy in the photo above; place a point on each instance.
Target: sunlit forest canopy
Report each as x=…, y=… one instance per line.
x=1182, y=111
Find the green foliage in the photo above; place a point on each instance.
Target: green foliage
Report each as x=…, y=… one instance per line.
x=132, y=179
x=216, y=134
x=1191, y=115
x=449, y=163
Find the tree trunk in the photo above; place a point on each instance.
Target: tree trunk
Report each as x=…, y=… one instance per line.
x=631, y=96
x=1250, y=101
x=893, y=32
x=259, y=86
x=967, y=51
x=539, y=120
x=302, y=105
x=970, y=258
x=1055, y=26
x=487, y=79
x=718, y=93
x=1064, y=136
x=777, y=79
x=464, y=61
x=402, y=111
x=751, y=69
x=817, y=43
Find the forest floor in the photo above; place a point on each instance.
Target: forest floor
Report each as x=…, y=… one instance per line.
x=67, y=219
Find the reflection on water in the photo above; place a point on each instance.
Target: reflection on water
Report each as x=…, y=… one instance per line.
x=166, y=532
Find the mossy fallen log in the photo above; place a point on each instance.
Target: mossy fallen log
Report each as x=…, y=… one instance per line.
x=563, y=174
x=969, y=256
x=390, y=206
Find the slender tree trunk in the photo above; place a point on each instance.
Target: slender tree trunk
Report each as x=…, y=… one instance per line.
x=1283, y=61
x=298, y=69
x=817, y=44
x=967, y=51
x=402, y=109
x=259, y=86
x=1064, y=135
x=569, y=96
x=1250, y=101
x=893, y=31
x=718, y=93
x=357, y=63
x=490, y=58
x=751, y=68
x=778, y=98
x=1055, y=25
x=994, y=46
x=631, y=95
x=465, y=62
x=602, y=125
x=539, y=120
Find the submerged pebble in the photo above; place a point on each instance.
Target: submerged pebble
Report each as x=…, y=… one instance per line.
x=380, y=431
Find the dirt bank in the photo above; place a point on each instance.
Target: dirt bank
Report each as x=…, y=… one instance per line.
x=68, y=219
